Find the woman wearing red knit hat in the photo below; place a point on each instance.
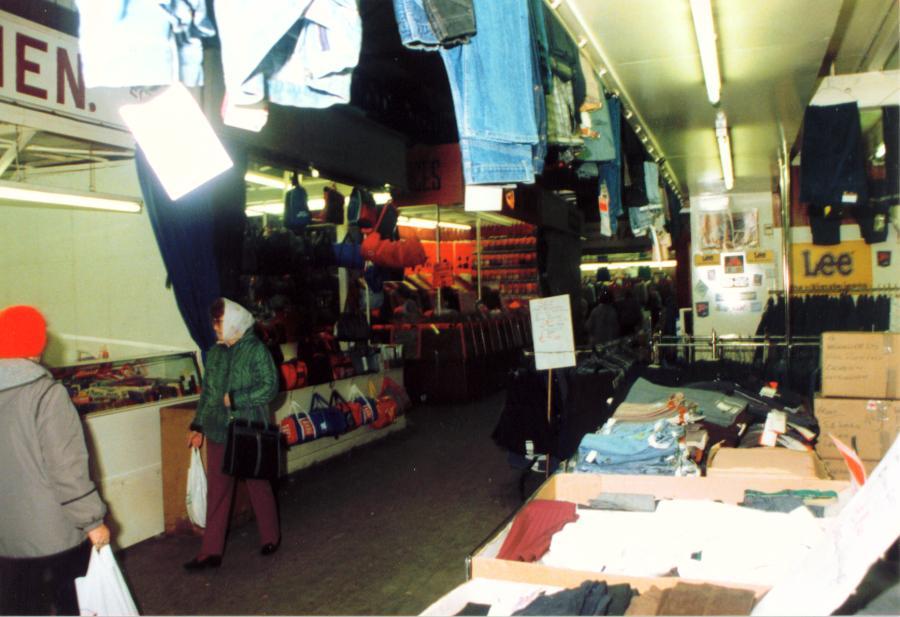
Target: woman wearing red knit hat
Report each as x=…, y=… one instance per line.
x=52, y=513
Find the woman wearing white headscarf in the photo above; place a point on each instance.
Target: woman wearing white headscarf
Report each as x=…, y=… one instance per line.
x=240, y=381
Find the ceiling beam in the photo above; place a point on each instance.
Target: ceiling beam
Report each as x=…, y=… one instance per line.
x=22, y=138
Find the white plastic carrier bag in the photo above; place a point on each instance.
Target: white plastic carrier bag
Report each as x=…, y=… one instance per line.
x=196, y=490
x=103, y=591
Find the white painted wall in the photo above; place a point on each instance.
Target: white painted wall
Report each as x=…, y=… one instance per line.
x=93, y=274
x=743, y=322
x=100, y=281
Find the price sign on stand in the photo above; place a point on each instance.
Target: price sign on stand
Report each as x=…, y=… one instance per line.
x=554, y=345
x=551, y=329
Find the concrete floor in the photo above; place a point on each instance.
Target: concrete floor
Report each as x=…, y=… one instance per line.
x=382, y=530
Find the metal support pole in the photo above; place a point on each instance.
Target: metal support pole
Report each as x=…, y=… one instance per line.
x=478, y=250
x=437, y=260
x=785, y=166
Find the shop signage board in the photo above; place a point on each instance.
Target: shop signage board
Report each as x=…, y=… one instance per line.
x=551, y=328
x=434, y=176
x=41, y=70
x=847, y=265
x=484, y=198
x=760, y=257
x=707, y=259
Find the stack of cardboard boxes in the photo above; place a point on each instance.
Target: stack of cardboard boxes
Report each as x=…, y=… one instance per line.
x=860, y=399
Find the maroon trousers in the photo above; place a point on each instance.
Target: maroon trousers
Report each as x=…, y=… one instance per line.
x=220, y=492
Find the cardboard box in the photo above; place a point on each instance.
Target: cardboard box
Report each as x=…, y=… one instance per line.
x=581, y=488
x=861, y=364
x=837, y=468
x=768, y=462
x=867, y=425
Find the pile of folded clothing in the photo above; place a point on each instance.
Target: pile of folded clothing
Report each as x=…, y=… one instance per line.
x=648, y=448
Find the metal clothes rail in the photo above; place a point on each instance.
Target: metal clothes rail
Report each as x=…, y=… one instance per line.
x=716, y=343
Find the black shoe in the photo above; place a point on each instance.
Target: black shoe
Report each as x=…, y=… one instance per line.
x=213, y=561
x=269, y=548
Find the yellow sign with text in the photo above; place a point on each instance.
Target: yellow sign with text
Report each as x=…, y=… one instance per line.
x=840, y=267
x=760, y=257
x=707, y=259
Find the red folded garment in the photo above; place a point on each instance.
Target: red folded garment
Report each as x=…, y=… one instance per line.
x=531, y=532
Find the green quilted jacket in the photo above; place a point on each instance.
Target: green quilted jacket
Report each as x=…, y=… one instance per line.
x=245, y=371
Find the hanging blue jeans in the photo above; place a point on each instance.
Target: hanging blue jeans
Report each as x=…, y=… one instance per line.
x=489, y=79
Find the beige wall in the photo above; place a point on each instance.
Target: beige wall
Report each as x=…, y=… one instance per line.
x=97, y=276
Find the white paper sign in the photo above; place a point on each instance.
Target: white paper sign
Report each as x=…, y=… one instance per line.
x=179, y=142
x=865, y=528
x=551, y=329
x=484, y=198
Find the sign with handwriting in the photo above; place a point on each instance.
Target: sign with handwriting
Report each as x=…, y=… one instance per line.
x=551, y=329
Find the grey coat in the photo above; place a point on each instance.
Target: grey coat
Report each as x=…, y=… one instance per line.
x=49, y=500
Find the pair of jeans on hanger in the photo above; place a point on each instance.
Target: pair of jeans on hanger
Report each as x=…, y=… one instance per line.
x=489, y=77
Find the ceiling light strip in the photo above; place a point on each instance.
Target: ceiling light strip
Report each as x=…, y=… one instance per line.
x=724, y=143
x=704, y=29
x=264, y=180
x=20, y=192
x=621, y=265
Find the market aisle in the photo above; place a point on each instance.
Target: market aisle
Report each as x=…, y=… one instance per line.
x=383, y=530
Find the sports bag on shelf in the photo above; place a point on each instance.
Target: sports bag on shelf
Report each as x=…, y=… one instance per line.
x=252, y=449
x=391, y=388
x=404, y=253
x=366, y=412
x=195, y=500
x=298, y=427
x=386, y=407
x=328, y=421
x=103, y=590
x=336, y=401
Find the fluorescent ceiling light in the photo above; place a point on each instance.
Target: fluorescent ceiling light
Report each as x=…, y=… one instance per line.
x=724, y=150
x=406, y=221
x=701, y=11
x=264, y=180
x=14, y=191
x=621, y=265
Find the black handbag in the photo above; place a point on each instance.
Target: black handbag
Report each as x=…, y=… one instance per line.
x=252, y=449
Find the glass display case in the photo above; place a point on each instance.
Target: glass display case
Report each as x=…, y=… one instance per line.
x=114, y=384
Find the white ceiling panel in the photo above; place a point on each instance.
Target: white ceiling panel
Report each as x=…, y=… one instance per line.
x=770, y=53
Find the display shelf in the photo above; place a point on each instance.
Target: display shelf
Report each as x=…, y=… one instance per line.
x=119, y=384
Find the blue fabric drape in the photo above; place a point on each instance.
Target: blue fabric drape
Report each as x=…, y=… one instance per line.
x=184, y=234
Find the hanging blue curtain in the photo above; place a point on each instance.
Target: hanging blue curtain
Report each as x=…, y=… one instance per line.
x=185, y=234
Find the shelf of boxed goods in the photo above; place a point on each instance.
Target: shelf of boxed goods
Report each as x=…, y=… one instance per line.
x=508, y=256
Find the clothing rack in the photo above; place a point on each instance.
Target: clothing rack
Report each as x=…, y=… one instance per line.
x=618, y=343
x=890, y=290
x=717, y=342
